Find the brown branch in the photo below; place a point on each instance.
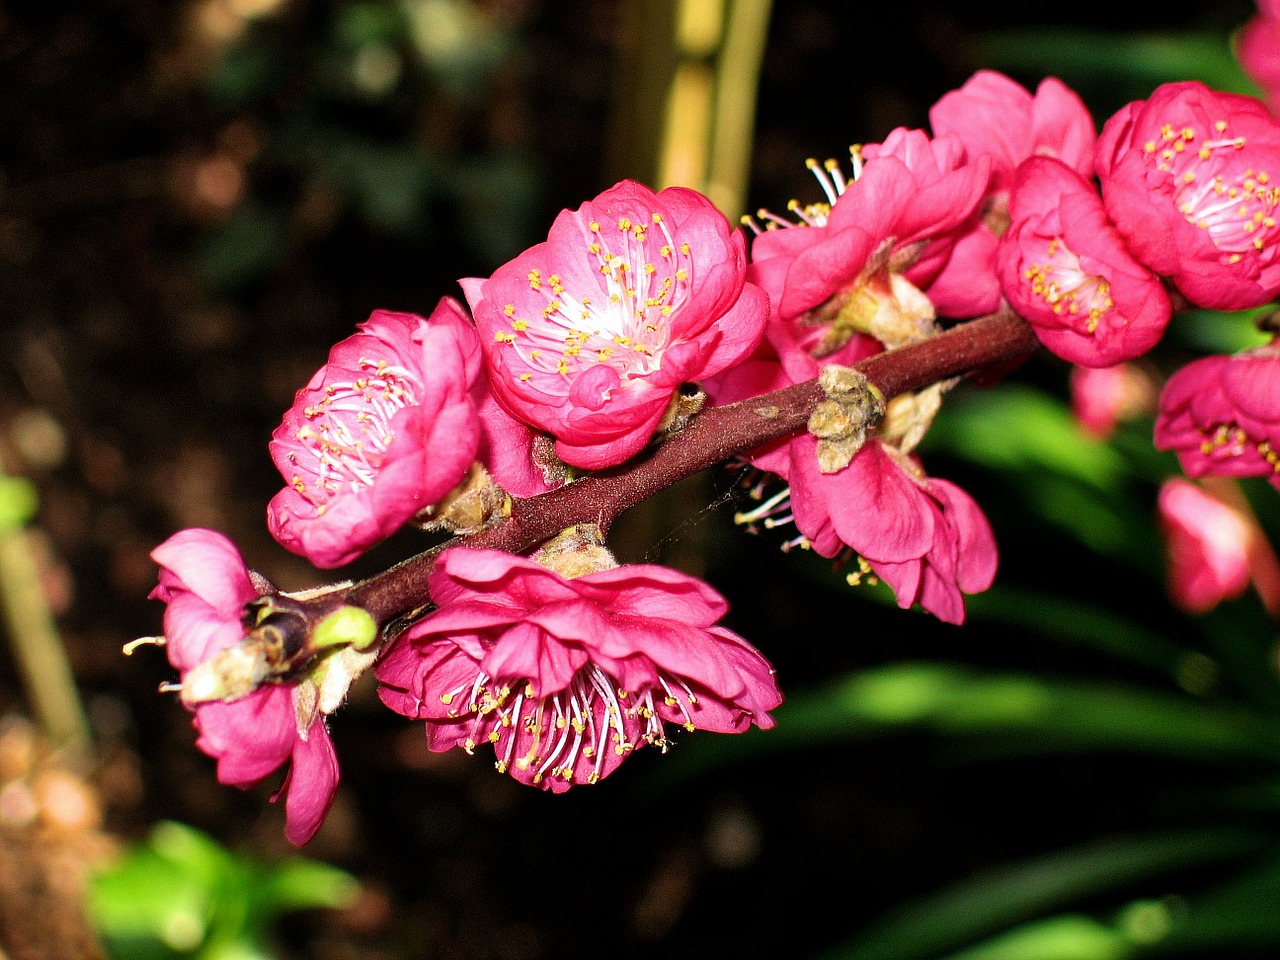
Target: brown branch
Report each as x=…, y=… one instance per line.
x=716, y=434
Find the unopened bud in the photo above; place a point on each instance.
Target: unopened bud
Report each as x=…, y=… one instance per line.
x=841, y=421
x=475, y=504
x=346, y=627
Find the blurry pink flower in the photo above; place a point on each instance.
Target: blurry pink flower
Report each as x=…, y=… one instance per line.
x=1209, y=546
x=1188, y=179
x=565, y=677
x=910, y=189
x=589, y=335
x=1064, y=268
x=1222, y=415
x=1101, y=397
x=385, y=429
x=1258, y=50
x=205, y=584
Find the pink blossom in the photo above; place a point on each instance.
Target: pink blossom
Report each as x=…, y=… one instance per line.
x=566, y=677
x=923, y=536
x=589, y=335
x=1208, y=543
x=205, y=584
x=911, y=189
x=1064, y=268
x=1101, y=397
x=1188, y=179
x=996, y=117
x=385, y=429
x=1222, y=415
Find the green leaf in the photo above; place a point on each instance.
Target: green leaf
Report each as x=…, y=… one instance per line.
x=982, y=905
x=1067, y=618
x=1070, y=937
x=305, y=885
x=1017, y=714
x=181, y=894
x=1239, y=912
x=1018, y=428
x=1043, y=714
x=1211, y=331
x=1135, y=62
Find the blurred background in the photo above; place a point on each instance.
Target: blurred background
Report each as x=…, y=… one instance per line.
x=199, y=197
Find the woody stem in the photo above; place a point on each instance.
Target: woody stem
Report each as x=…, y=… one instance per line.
x=716, y=434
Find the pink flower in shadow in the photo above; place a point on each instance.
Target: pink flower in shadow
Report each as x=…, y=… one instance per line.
x=1208, y=546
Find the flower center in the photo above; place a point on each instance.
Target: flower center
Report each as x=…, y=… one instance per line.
x=1069, y=291
x=833, y=183
x=1235, y=204
x=645, y=277
x=1227, y=441
x=574, y=733
x=347, y=431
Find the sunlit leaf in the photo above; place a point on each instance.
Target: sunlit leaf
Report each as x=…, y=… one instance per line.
x=1214, y=332
x=1058, y=938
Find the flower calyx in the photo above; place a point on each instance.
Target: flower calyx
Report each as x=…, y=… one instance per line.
x=285, y=639
x=473, y=506
x=576, y=551
x=686, y=403
x=840, y=422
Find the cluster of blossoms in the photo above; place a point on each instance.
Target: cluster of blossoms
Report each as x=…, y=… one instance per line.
x=521, y=424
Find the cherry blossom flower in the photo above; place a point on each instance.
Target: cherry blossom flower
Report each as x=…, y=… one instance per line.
x=1064, y=268
x=995, y=117
x=1222, y=415
x=566, y=677
x=205, y=584
x=910, y=190
x=589, y=335
x=1208, y=544
x=1188, y=179
x=384, y=430
x=923, y=536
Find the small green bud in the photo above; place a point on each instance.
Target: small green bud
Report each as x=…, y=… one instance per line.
x=346, y=627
